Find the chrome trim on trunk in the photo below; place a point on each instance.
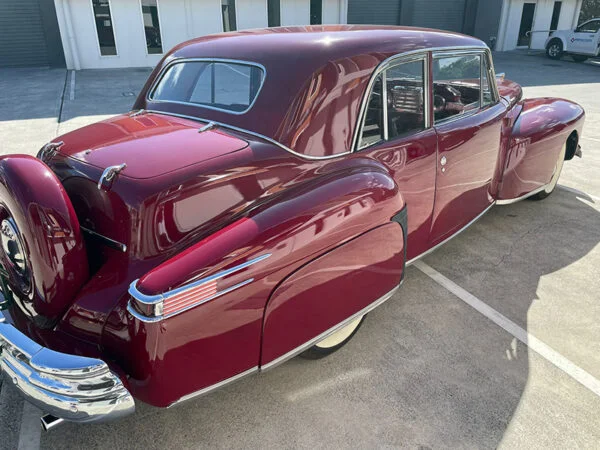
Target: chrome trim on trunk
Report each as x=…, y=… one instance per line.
x=69, y=387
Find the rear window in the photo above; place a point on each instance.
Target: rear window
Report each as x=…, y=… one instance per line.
x=222, y=85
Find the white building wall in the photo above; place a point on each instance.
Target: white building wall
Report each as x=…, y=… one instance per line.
x=331, y=11
x=251, y=14
x=205, y=17
x=511, y=20
x=295, y=12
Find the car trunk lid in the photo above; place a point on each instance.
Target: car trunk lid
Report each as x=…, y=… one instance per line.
x=149, y=144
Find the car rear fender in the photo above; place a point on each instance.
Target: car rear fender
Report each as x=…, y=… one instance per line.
x=331, y=214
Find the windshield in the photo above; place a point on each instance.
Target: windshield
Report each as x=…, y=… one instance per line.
x=227, y=86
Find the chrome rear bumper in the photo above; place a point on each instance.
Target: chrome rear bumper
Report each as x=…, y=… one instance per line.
x=70, y=387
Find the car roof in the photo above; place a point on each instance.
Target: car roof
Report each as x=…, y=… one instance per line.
x=311, y=73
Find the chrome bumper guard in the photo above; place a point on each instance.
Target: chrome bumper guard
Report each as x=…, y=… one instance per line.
x=70, y=387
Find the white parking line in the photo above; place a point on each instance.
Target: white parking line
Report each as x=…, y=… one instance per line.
x=72, y=89
x=574, y=371
x=30, y=433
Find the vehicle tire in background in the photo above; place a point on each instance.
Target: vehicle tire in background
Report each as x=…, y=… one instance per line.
x=554, y=50
x=554, y=180
x=334, y=341
x=579, y=58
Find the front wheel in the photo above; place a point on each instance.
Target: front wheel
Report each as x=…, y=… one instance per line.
x=579, y=58
x=554, y=49
x=334, y=341
x=554, y=180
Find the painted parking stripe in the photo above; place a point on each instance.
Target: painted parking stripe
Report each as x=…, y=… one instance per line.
x=30, y=433
x=546, y=352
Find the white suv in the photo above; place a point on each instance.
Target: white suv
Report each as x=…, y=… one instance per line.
x=581, y=43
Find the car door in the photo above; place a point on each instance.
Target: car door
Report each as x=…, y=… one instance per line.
x=585, y=38
x=395, y=131
x=467, y=119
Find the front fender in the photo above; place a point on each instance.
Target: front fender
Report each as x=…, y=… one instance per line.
x=543, y=126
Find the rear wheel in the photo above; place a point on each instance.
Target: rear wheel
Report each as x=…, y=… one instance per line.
x=334, y=341
x=554, y=50
x=554, y=180
x=579, y=58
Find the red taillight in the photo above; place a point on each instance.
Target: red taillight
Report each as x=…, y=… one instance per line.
x=187, y=298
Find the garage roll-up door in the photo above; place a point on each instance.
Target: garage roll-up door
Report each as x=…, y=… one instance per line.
x=442, y=14
x=22, y=40
x=380, y=12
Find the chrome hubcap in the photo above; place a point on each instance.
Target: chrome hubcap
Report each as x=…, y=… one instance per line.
x=340, y=335
x=12, y=245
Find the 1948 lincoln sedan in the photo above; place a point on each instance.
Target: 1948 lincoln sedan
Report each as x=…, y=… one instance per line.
x=266, y=192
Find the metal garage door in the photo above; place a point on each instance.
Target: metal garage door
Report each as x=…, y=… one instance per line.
x=22, y=41
x=381, y=12
x=442, y=14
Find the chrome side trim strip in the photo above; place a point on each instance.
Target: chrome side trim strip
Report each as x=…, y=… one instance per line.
x=332, y=330
x=251, y=133
x=435, y=247
x=207, y=60
x=510, y=201
x=157, y=301
x=216, y=386
x=108, y=241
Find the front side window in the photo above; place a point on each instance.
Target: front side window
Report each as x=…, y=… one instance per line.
x=151, y=26
x=396, y=104
x=589, y=27
x=226, y=86
x=104, y=27
x=456, y=85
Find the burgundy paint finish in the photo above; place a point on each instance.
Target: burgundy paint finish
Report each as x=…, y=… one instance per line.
x=56, y=259
x=191, y=204
x=538, y=134
x=470, y=146
x=332, y=288
x=150, y=144
x=315, y=110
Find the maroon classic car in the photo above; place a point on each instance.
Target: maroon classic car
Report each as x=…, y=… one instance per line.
x=267, y=191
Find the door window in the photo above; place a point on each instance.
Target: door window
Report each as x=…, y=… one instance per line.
x=589, y=27
x=396, y=104
x=457, y=85
x=526, y=24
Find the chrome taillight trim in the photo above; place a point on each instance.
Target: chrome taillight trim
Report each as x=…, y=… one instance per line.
x=155, y=304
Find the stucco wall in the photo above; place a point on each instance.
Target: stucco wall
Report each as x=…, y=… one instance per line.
x=180, y=20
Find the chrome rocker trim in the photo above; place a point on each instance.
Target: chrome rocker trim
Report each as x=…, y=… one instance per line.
x=320, y=337
x=69, y=387
x=510, y=201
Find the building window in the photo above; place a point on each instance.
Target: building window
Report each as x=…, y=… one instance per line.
x=316, y=12
x=228, y=11
x=151, y=26
x=555, y=15
x=104, y=27
x=274, y=12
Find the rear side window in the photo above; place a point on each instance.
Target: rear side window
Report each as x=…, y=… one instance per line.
x=456, y=85
x=226, y=86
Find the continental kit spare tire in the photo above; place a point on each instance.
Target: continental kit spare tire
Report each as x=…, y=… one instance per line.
x=42, y=250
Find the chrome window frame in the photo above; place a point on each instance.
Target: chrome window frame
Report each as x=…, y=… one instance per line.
x=206, y=60
x=482, y=53
x=382, y=68
x=428, y=54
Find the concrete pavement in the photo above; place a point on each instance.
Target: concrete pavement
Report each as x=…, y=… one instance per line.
x=426, y=370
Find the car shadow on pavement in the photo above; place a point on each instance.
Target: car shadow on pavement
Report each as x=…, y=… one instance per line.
x=425, y=370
